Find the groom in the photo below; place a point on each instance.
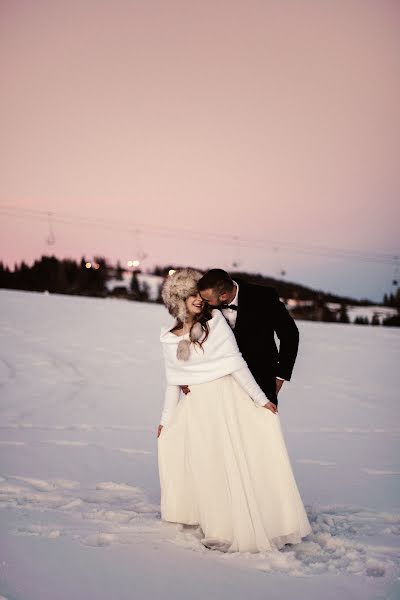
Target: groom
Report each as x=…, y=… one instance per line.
x=255, y=314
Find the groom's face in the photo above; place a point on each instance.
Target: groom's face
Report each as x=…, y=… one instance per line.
x=212, y=298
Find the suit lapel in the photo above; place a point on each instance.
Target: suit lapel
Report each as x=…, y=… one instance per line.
x=241, y=312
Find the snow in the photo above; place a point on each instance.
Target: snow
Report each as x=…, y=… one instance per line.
x=353, y=311
x=382, y=312
x=81, y=385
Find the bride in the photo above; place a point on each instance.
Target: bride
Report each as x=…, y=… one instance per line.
x=222, y=458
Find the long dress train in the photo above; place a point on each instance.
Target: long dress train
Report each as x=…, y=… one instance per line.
x=223, y=464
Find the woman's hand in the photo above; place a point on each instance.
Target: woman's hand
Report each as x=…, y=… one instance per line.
x=271, y=406
x=159, y=430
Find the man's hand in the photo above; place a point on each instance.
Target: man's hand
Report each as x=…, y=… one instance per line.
x=185, y=389
x=271, y=406
x=159, y=430
x=279, y=384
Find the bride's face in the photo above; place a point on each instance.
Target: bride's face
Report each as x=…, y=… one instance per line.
x=194, y=304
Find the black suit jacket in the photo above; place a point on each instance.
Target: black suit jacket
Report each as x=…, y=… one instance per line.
x=261, y=314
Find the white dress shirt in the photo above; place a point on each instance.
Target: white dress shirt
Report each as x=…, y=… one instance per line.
x=231, y=315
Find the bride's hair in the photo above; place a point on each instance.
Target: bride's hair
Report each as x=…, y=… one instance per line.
x=199, y=326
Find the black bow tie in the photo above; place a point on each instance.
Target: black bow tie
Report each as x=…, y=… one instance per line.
x=231, y=306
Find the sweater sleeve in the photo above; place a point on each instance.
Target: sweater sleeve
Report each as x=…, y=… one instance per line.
x=243, y=375
x=171, y=399
x=245, y=378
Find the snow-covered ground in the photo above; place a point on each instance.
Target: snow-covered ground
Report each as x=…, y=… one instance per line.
x=81, y=384
x=381, y=312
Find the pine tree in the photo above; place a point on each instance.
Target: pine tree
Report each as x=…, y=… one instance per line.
x=343, y=316
x=134, y=287
x=375, y=319
x=119, y=272
x=145, y=292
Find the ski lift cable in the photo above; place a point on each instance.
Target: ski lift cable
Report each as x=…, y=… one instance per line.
x=64, y=217
x=331, y=253
x=221, y=239
x=159, y=231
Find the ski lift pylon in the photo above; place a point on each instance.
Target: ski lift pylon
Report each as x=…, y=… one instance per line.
x=236, y=257
x=51, y=239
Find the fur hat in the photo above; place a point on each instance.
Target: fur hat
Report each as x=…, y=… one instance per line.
x=177, y=288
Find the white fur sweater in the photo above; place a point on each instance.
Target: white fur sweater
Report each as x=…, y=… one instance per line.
x=219, y=356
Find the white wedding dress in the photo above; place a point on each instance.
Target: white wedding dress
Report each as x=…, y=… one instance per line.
x=223, y=465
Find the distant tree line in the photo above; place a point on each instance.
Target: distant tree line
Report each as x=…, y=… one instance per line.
x=65, y=276
x=285, y=289
x=68, y=276
x=392, y=299
x=315, y=307
x=89, y=278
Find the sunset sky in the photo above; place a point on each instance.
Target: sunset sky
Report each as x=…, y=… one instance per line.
x=265, y=133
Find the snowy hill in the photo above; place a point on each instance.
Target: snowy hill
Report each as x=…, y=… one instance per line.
x=81, y=385
x=374, y=310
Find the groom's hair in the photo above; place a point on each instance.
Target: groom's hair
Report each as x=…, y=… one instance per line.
x=216, y=279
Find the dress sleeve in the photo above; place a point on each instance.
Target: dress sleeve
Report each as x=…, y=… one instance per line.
x=171, y=399
x=245, y=378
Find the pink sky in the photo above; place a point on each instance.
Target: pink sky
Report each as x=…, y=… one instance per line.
x=268, y=120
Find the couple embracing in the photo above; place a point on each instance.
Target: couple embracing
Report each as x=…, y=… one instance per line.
x=222, y=458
